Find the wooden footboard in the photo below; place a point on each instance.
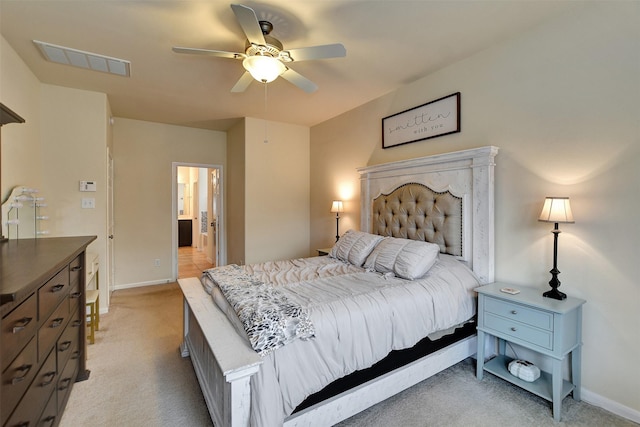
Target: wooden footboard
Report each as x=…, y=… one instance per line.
x=353, y=401
x=223, y=361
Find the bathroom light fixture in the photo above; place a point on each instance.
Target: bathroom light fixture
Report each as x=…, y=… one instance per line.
x=337, y=207
x=82, y=59
x=264, y=68
x=556, y=209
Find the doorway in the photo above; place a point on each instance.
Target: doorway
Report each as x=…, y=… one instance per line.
x=198, y=218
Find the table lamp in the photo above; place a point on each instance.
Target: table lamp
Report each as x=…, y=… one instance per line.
x=556, y=210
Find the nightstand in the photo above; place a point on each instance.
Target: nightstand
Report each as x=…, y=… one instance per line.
x=323, y=252
x=550, y=327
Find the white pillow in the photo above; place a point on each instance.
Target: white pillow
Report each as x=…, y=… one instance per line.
x=354, y=247
x=409, y=259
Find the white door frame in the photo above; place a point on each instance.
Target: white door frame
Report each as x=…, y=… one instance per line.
x=221, y=228
x=110, y=264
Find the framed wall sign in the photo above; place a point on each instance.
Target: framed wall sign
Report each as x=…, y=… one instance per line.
x=430, y=120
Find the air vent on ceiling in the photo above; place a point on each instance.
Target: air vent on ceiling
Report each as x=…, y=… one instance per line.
x=87, y=60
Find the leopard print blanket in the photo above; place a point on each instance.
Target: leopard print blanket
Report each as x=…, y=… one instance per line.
x=269, y=318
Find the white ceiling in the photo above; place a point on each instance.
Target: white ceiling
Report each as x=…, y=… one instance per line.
x=389, y=44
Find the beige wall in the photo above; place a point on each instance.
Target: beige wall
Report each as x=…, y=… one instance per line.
x=268, y=191
x=277, y=191
x=235, y=194
x=143, y=154
x=562, y=103
x=20, y=91
x=74, y=135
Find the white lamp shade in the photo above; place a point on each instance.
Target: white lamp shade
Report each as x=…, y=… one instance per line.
x=264, y=68
x=556, y=209
x=336, y=206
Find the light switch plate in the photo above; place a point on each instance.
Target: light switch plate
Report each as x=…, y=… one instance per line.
x=88, y=203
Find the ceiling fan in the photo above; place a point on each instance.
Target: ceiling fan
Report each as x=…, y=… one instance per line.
x=264, y=58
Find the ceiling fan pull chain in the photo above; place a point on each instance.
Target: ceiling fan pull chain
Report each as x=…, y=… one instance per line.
x=266, y=139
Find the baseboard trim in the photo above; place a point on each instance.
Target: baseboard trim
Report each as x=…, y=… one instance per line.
x=610, y=405
x=141, y=284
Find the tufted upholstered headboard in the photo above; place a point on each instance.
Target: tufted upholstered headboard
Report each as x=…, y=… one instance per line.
x=446, y=199
x=414, y=211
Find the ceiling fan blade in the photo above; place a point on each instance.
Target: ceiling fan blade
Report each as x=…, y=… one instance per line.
x=243, y=83
x=299, y=80
x=336, y=50
x=217, y=53
x=249, y=23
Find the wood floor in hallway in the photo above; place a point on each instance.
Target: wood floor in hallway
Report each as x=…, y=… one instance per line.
x=191, y=262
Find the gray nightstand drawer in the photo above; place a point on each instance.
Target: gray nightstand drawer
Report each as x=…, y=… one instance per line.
x=521, y=331
x=520, y=313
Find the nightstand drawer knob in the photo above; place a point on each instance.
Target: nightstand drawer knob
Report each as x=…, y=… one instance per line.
x=514, y=312
x=513, y=328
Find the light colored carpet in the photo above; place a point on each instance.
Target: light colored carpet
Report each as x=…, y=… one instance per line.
x=139, y=379
x=137, y=375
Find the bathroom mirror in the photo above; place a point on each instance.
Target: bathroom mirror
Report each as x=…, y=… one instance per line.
x=183, y=200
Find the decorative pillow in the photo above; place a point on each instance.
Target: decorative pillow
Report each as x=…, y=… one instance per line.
x=409, y=259
x=354, y=247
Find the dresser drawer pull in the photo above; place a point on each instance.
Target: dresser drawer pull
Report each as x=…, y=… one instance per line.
x=23, y=368
x=64, y=346
x=76, y=268
x=24, y=424
x=56, y=322
x=21, y=324
x=64, y=384
x=513, y=328
x=514, y=312
x=76, y=295
x=76, y=323
x=51, y=419
x=75, y=355
x=57, y=288
x=49, y=378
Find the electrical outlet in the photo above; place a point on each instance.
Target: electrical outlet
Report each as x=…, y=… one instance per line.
x=156, y=262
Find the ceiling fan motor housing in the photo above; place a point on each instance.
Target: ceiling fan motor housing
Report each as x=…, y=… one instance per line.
x=273, y=46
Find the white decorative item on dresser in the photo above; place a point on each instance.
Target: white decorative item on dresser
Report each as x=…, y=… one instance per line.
x=548, y=326
x=22, y=214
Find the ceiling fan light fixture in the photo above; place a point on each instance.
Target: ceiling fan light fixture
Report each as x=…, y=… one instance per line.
x=264, y=69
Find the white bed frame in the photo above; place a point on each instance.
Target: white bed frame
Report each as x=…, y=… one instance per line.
x=224, y=362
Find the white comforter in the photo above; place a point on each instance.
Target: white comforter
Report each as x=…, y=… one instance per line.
x=359, y=318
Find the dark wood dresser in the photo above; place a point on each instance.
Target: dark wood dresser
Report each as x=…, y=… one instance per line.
x=42, y=327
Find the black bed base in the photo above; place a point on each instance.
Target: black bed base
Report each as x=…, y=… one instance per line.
x=394, y=360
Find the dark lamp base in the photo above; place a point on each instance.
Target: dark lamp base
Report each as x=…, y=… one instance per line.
x=555, y=294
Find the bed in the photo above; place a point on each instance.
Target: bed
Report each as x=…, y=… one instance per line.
x=397, y=201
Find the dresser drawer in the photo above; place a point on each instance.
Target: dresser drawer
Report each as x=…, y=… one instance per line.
x=17, y=378
x=65, y=382
x=17, y=329
x=50, y=415
x=520, y=313
x=500, y=326
x=74, y=296
x=51, y=329
x=75, y=270
x=69, y=342
x=31, y=406
x=52, y=292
